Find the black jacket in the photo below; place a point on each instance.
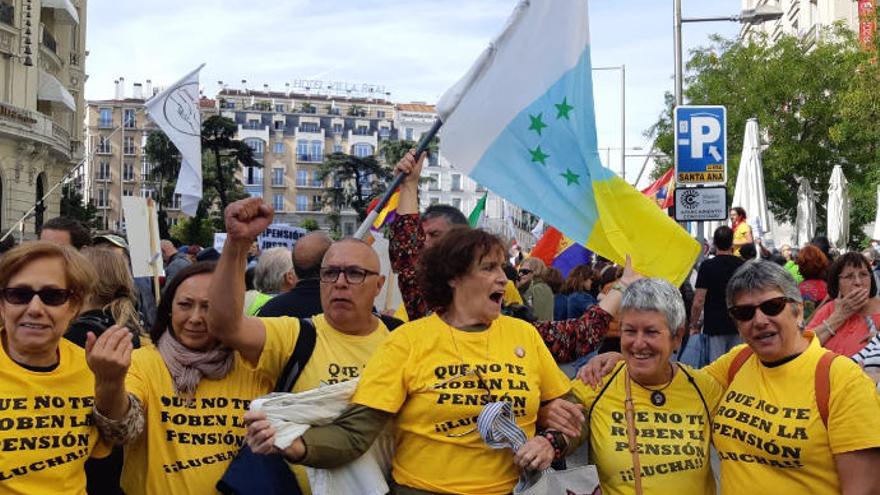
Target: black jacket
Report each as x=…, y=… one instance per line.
x=303, y=301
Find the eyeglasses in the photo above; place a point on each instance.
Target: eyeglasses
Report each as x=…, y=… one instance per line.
x=353, y=274
x=770, y=307
x=856, y=275
x=525, y=271
x=24, y=295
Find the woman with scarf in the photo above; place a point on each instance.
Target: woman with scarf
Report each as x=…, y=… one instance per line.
x=176, y=405
x=742, y=232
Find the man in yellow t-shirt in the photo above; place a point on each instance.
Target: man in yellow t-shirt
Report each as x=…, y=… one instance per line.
x=673, y=438
x=347, y=333
x=46, y=428
x=766, y=425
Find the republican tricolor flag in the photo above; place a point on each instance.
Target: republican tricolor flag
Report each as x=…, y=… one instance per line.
x=387, y=214
x=661, y=191
x=521, y=122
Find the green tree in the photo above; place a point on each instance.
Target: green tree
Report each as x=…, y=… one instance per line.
x=310, y=224
x=73, y=205
x=194, y=230
x=799, y=91
x=354, y=181
x=164, y=159
x=227, y=155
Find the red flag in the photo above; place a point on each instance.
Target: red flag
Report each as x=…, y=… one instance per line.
x=661, y=191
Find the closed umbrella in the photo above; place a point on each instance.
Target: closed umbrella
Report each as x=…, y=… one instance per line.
x=838, y=210
x=749, y=192
x=805, y=222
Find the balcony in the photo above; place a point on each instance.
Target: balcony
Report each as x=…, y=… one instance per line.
x=28, y=124
x=103, y=148
x=309, y=157
x=105, y=124
x=49, y=41
x=361, y=131
x=102, y=176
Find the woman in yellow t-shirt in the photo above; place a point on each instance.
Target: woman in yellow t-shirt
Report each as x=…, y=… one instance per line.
x=771, y=430
x=742, y=232
x=46, y=432
x=177, y=404
x=434, y=375
x=650, y=411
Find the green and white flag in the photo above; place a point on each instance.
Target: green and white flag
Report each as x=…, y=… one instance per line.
x=477, y=212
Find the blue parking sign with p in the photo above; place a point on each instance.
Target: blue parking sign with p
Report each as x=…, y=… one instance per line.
x=700, y=144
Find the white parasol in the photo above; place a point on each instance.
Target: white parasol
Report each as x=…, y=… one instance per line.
x=838, y=210
x=805, y=222
x=749, y=192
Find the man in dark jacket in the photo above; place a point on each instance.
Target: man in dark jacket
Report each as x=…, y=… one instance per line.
x=304, y=300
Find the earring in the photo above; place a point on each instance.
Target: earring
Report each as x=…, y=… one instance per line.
x=802, y=325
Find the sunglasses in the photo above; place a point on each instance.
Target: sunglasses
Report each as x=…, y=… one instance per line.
x=24, y=295
x=525, y=271
x=770, y=307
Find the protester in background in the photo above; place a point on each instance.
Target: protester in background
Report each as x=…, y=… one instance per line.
x=67, y=231
x=553, y=279
x=874, y=262
x=273, y=275
x=813, y=265
x=577, y=290
x=347, y=333
x=144, y=291
x=192, y=251
x=852, y=315
x=608, y=281
x=410, y=379
x=176, y=406
x=710, y=295
x=646, y=383
x=304, y=300
x=824, y=245
x=174, y=260
x=748, y=252
x=742, y=232
x=790, y=265
x=534, y=290
x=42, y=287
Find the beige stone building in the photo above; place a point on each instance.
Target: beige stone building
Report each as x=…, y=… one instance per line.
x=803, y=18
x=42, y=43
x=291, y=133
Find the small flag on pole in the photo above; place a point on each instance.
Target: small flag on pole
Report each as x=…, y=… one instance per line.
x=661, y=191
x=560, y=252
x=477, y=212
x=176, y=112
x=387, y=214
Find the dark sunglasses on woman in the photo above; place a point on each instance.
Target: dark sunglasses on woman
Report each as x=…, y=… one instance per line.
x=24, y=295
x=770, y=307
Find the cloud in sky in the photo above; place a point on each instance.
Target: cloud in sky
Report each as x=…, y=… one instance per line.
x=415, y=48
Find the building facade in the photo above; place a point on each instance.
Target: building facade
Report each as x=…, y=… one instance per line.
x=41, y=106
x=803, y=18
x=446, y=185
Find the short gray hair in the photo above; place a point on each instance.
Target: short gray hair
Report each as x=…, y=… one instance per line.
x=654, y=294
x=271, y=267
x=762, y=275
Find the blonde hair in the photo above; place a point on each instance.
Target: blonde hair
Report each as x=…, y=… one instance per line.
x=114, y=289
x=78, y=272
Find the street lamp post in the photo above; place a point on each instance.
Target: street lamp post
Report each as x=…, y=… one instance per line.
x=622, y=69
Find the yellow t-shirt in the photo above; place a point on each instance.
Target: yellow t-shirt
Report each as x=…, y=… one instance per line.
x=511, y=294
x=337, y=357
x=423, y=373
x=768, y=431
x=188, y=442
x=740, y=235
x=673, y=439
x=46, y=426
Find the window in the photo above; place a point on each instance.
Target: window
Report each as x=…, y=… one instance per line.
x=103, y=145
x=279, y=125
x=128, y=146
x=380, y=114
x=337, y=129
x=253, y=176
x=408, y=133
x=456, y=182
x=348, y=228
x=362, y=150
x=230, y=105
x=337, y=147
x=252, y=124
x=128, y=172
x=277, y=176
x=302, y=150
x=309, y=127
x=279, y=148
x=456, y=203
x=278, y=202
x=128, y=191
x=128, y=118
x=103, y=170
x=302, y=202
x=317, y=203
x=105, y=118
x=279, y=107
x=384, y=132
x=173, y=221
x=302, y=178
x=148, y=192
x=434, y=183
x=146, y=167
x=175, y=201
x=362, y=130
x=257, y=145
x=102, y=198
x=316, y=179
x=434, y=200
x=317, y=154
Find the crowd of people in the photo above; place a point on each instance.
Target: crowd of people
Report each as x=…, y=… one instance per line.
x=108, y=390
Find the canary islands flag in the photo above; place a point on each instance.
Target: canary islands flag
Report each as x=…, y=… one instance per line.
x=521, y=122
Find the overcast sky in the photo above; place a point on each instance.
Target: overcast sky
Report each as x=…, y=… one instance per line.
x=416, y=48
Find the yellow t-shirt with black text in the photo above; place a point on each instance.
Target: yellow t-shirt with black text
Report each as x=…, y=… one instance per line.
x=337, y=357
x=768, y=431
x=673, y=439
x=46, y=426
x=188, y=442
x=426, y=373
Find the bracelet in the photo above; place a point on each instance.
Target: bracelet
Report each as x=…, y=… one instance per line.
x=619, y=286
x=828, y=328
x=557, y=441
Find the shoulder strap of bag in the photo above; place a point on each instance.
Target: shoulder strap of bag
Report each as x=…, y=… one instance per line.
x=302, y=352
x=601, y=393
x=738, y=361
x=699, y=392
x=823, y=384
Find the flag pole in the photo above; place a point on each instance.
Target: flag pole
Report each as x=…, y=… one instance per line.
x=398, y=179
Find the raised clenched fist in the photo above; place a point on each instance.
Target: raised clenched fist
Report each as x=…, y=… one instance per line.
x=246, y=219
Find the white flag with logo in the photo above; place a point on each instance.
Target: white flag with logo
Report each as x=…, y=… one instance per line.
x=176, y=112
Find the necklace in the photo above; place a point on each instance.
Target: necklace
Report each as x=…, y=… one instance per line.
x=658, y=398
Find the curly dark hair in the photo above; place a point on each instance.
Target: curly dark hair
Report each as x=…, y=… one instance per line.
x=812, y=262
x=855, y=260
x=577, y=279
x=553, y=278
x=163, y=312
x=452, y=257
